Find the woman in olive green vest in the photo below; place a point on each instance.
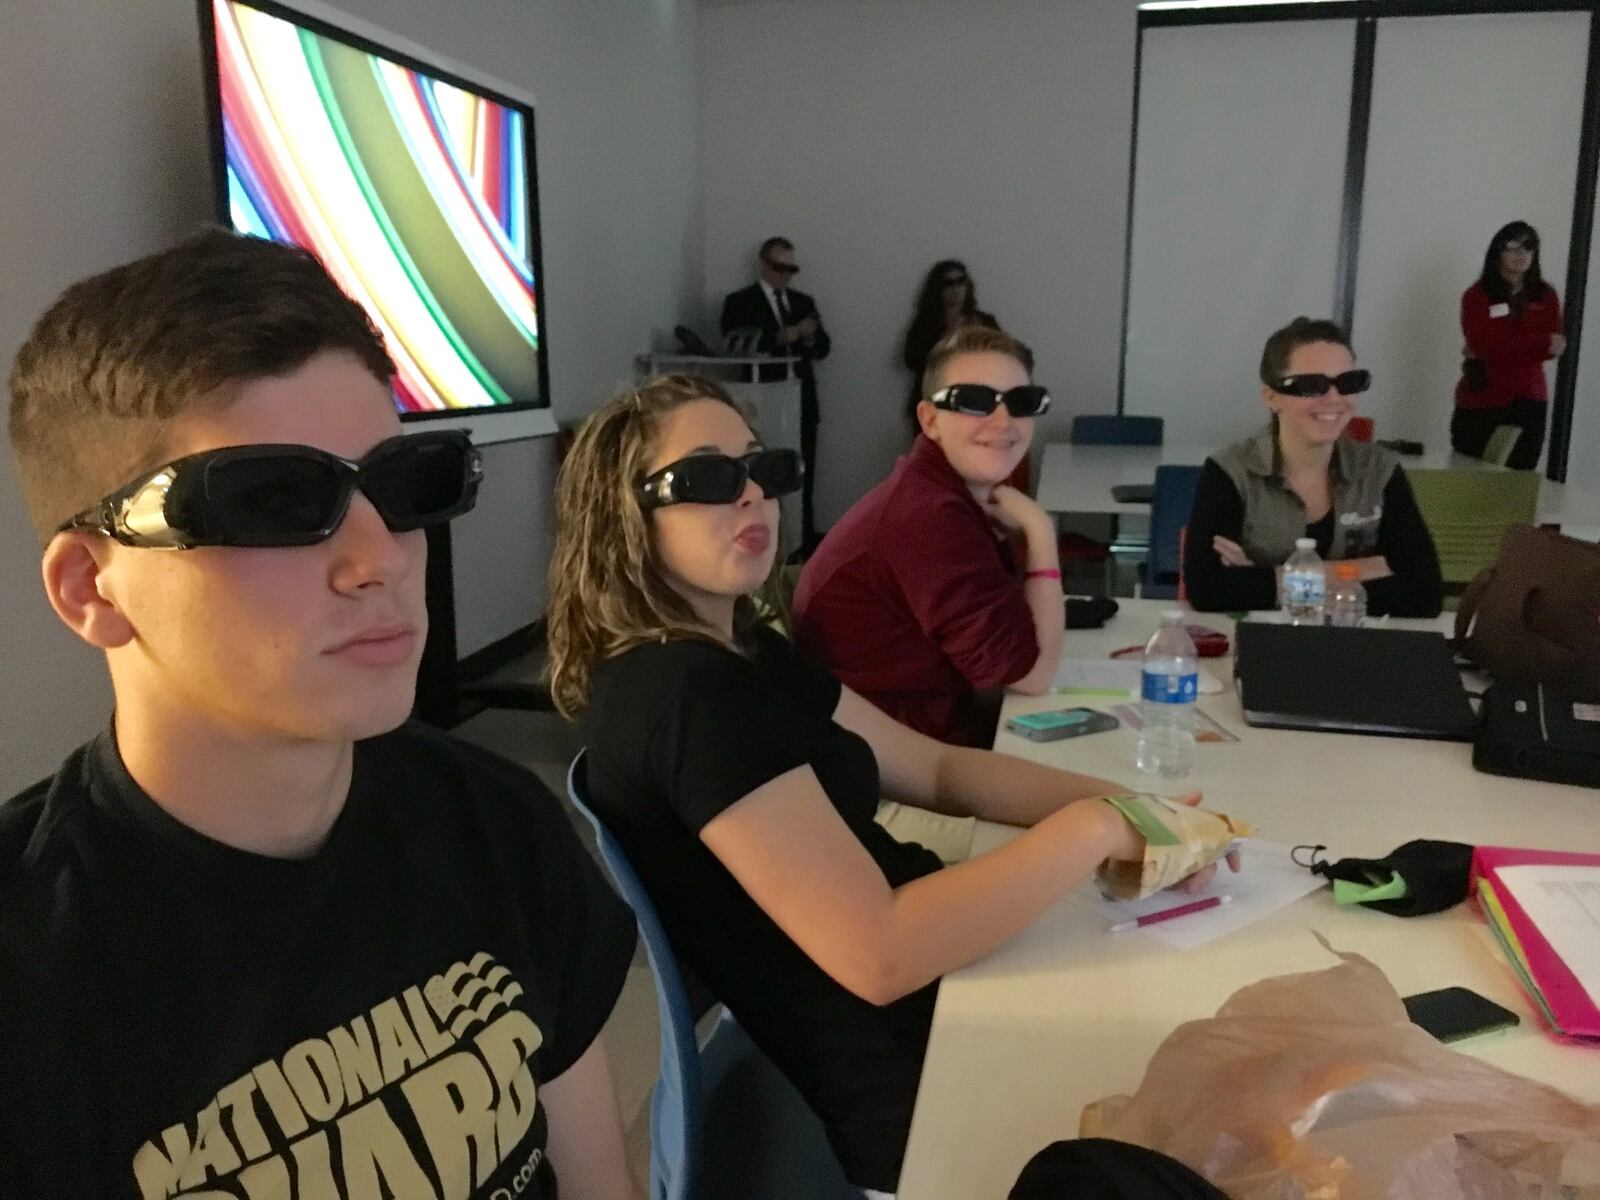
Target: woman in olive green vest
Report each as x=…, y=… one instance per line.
x=1300, y=476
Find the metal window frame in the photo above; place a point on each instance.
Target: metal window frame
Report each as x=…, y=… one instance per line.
x=1365, y=15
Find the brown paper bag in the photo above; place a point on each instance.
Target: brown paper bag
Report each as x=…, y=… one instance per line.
x=1178, y=841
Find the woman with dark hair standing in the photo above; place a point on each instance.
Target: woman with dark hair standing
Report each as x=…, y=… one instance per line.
x=946, y=301
x=1511, y=319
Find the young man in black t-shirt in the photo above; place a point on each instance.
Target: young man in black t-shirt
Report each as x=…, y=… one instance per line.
x=257, y=939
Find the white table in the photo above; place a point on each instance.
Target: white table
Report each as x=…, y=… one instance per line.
x=1066, y=1014
x=1079, y=479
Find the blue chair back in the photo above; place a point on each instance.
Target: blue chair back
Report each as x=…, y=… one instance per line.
x=1117, y=431
x=725, y=1123
x=1171, y=506
x=676, y=1110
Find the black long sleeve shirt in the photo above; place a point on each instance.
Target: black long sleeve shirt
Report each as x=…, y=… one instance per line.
x=1415, y=589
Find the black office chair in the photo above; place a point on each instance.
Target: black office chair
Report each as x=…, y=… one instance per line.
x=1117, y=431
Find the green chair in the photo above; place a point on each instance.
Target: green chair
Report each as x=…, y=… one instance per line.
x=1469, y=512
x=1501, y=443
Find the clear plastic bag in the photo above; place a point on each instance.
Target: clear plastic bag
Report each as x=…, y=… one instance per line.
x=1317, y=1087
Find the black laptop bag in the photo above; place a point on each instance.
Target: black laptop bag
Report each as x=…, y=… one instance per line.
x=1531, y=731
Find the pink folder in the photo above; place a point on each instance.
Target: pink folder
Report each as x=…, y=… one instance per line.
x=1575, y=1013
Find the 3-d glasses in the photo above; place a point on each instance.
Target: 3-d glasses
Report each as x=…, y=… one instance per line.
x=979, y=400
x=288, y=495
x=721, y=478
x=1314, y=384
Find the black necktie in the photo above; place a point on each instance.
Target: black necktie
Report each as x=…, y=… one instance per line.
x=783, y=308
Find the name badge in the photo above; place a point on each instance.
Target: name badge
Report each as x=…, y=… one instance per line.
x=1351, y=519
x=1499, y=310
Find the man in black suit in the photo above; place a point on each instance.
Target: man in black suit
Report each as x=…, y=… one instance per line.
x=789, y=324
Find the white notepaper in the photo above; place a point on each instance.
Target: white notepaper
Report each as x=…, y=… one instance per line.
x=1564, y=902
x=1268, y=880
x=1109, y=674
x=1116, y=674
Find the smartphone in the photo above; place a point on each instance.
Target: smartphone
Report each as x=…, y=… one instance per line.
x=1454, y=1013
x=1063, y=723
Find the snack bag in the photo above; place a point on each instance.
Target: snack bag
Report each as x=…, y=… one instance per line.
x=1178, y=841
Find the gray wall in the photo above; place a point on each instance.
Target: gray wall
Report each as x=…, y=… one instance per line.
x=105, y=158
x=882, y=135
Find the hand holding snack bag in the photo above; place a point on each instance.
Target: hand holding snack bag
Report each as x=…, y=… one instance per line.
x=1178, y=841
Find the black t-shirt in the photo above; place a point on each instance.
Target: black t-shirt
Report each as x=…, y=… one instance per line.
x=179, y=1017
x=677, y=733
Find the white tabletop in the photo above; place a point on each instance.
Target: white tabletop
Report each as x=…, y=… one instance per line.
x=1079, y=479
x=1066, y=1014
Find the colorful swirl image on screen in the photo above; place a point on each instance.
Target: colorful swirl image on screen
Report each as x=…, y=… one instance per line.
x=412, y=191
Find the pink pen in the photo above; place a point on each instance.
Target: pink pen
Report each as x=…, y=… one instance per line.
x=1167, y=914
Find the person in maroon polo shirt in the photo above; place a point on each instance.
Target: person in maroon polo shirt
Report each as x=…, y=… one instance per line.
x=918, y=599
x=1511, y=320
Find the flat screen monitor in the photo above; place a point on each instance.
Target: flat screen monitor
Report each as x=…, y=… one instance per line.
x=415, y=187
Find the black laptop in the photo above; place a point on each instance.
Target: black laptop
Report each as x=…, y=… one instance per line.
x=1399, y=682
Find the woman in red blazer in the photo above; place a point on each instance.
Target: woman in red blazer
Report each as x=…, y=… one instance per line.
x=1511, y=319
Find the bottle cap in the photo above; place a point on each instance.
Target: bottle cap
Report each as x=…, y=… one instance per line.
x=1305, y=543
x=1171, y=616
x=1347, y=570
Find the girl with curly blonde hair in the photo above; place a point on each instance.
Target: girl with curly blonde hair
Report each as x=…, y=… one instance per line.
x=742, y=780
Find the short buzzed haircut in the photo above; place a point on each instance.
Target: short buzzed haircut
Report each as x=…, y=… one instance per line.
x=775, y=243
x=122, y=354
x=971, y=339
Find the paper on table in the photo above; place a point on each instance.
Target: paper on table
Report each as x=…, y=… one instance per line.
x=1206, y=728
x=1512, y=946
x=1119, y=675
x=1268, y=880
x=1098, y=674
x=1564, y=903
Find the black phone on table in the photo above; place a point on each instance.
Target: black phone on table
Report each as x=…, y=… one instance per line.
x=1454, y=1013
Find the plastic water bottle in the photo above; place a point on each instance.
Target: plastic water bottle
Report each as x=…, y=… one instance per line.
x=1347, y=599
x=1303, y=584
x=1169, y=683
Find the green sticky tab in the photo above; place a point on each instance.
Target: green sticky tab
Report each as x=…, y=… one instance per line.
x=1347, y=892
x=1136, y=810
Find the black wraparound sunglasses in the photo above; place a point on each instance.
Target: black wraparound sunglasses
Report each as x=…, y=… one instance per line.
x=288, y=495
x=1308, y=386
x=979, y=400
x=721, y=478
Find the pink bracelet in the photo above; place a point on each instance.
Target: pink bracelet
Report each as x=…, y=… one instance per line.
x=1047, y=573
